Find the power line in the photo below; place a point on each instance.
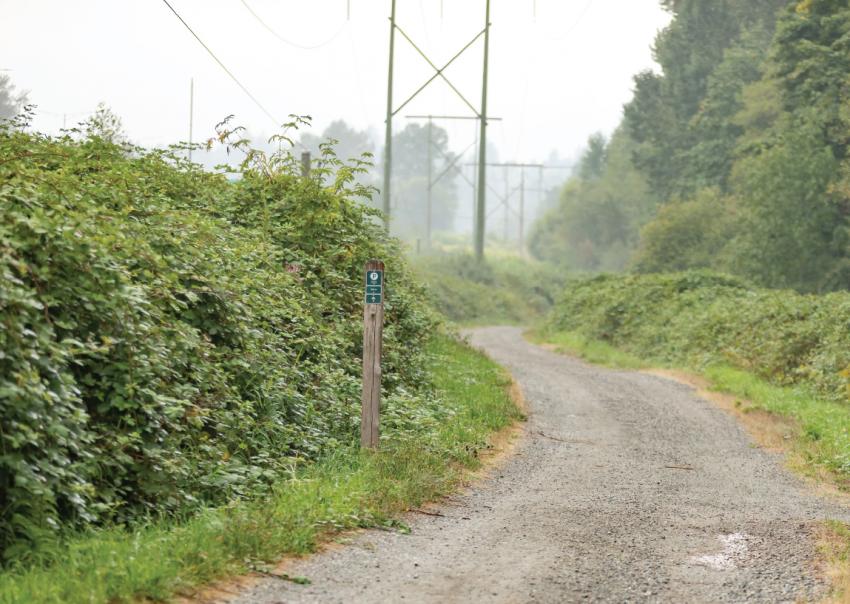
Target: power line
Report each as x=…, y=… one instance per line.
x=575, y=24
x=290, y=42
x=223, y=66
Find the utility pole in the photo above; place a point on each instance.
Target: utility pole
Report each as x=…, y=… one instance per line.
x=306, y=164
x=388, y=144
x=481, y=209
x=191, y=113
x=507, y=194
x=432, y=182
x=429, y=207
x=522, y=213
x=439, y=72
x=475, y=196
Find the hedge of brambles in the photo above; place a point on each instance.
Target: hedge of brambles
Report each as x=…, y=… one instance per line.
x=170, y=339
x=702, y=318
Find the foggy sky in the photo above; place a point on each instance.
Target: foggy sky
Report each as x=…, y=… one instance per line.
x=555, y=79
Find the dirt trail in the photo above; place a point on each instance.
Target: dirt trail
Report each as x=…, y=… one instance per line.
x=627, y=487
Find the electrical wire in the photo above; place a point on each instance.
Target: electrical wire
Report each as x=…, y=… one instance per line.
x=290, y=42
x=223, y=66
x=575, y=24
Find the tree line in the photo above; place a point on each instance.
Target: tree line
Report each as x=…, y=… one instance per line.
x=733, y=157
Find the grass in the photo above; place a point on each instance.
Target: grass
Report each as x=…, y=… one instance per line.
x=822, y=442
x=346, y=490
x=593, y=351
x=834, y=546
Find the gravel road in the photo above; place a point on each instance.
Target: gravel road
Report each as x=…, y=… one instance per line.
x=626, y=487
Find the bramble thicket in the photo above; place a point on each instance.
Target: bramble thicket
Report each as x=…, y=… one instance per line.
x=699, y=319
x=174, y=338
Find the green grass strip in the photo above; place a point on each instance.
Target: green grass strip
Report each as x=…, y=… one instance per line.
x=593, y=351
x=346, y=490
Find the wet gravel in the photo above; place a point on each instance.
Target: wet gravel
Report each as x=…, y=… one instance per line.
x=626, y=487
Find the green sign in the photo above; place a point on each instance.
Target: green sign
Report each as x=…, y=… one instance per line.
x=374, y=287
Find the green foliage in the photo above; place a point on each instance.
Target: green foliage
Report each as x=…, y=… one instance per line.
x=499, y=290
x=702, y=318
x=811, y=63
x=600, y=212
x=742, y=140
x=687, y=235
x=420, y=460
x=172, y=339
x=680, y=118
x=10, y=101
x=823, y=423
x=793, y=230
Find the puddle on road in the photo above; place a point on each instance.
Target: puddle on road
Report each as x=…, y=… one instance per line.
x=734, y=550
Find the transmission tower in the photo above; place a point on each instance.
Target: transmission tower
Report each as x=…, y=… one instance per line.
x=439, y=72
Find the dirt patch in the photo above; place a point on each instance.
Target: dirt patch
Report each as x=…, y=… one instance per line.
x=503, y=443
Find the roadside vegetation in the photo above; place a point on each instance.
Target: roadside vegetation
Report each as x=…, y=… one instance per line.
x=425, y=453
x=504, y=289
x=785, y=353
x=180, y=367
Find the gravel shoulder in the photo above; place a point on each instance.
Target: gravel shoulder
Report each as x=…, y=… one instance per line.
x=626, y=487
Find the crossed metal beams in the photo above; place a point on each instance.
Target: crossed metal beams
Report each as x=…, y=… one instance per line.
x=481, y=116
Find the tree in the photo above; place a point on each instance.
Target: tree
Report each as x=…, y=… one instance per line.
x=811, y=65
x=688, y=235
x=794, y=230
x=410, y=180
x=679, y=118
x=596, y=223
x=592, y=165
x=10, y=101
x=106, y=125
x=348, y=142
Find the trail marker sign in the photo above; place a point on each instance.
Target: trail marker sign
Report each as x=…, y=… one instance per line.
x=374, y=286
x=373, y=328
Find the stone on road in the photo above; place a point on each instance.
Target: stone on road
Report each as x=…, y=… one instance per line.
x=626, y=487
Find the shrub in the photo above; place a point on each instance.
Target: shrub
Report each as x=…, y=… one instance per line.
x=172, y=339
x=699, y=318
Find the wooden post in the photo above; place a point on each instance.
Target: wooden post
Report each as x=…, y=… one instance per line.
x=373, y=327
